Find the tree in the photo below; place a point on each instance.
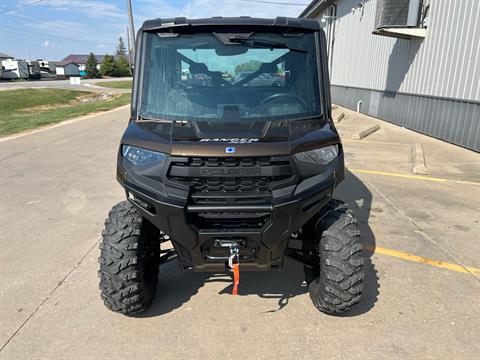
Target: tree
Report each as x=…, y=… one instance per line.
x=121, y=48
x=250, y=66
x=109, y=66
x=91, y=67
x=122, y=68
x=122, y=65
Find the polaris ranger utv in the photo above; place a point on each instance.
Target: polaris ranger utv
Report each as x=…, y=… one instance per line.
x=236, y=171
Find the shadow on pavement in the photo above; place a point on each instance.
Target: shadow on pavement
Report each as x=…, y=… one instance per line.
x=175, y=288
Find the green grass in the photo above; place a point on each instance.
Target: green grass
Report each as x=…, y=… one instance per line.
x=124, y=84
x=27, y=109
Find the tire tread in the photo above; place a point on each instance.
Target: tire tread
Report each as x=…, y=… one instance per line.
x=339, y=284
x=127, y=252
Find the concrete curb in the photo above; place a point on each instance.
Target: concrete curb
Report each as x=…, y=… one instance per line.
x=94, y=86
x=339, y=117
x=418, y=160
x=364, y=133
x=63, y=123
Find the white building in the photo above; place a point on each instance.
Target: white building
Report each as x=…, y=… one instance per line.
x=415, y=63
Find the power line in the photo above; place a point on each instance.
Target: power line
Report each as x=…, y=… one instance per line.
x=37, y=19
x=27, y=17
x=274, y=2
x=21, y=6
x=17, y=42
x=42, y=35
x=41, y=20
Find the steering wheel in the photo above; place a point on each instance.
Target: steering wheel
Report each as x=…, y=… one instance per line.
x=274, y=97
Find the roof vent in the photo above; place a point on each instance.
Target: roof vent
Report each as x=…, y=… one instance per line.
x=180, y=20
x=281, y=21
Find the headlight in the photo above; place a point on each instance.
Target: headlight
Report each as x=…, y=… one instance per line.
x=138, y=156
x=321, y=156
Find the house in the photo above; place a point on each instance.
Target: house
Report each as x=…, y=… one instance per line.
x=66, y=69
x=5, y=57
x=81, y=60
x=413, y=63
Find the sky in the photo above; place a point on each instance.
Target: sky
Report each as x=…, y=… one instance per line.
x=52, y=29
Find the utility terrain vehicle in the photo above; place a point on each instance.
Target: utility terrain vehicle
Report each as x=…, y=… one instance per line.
x=231, y=155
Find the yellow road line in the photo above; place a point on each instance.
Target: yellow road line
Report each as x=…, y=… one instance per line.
x=423, y=260
x=413, y=177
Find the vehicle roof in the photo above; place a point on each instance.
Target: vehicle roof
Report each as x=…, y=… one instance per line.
x=284, y=22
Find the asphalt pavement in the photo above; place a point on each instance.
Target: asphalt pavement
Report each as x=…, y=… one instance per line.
x=58, y=185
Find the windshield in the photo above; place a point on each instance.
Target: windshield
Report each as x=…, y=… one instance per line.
x=230, y=77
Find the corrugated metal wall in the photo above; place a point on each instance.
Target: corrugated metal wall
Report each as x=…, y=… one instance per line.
x=443, y=66
x=446, y=63
x=456, y=121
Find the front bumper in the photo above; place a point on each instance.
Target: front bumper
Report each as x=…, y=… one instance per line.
x=169, y=206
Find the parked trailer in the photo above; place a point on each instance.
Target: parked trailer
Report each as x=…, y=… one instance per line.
x=47, y=69
x=47, y=75
x=48, y=66
x=33, y=69
x=13, y=69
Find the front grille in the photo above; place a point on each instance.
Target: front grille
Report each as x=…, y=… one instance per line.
x=230, y=182
x=227, y=221
x=232, y=162
x=224, y=177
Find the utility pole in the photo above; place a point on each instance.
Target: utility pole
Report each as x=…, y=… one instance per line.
x=131, y=32
x=129, y=49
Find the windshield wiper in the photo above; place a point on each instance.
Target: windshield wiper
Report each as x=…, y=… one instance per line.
x=142, y=118
x=264, y=44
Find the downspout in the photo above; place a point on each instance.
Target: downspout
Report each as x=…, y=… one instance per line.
x=359, y=105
